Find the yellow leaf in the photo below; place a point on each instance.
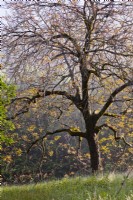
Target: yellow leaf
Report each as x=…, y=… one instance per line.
x=19, y=152
x=31, y=128
x=50, y=153
x=8, y=158
x=87, y=155
x=25, y=138
x=105, y=149
x=41, y=130
x=57, y=138
x=35, y=135
x=75, y=129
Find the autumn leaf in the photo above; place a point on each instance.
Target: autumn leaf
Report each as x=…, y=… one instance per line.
x=31, y=128
x=8, y=159
x=50, y=153
x=57, y=138
x=19, y=152
x=75, y=129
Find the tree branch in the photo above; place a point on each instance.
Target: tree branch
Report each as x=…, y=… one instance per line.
x=72, y=76
x=110, y=99
x=110, y=127
x=111, y=115
x=126, y=142
x=115, y=133
x=69, y=131
x=63, y=93
x=75, y=99
x=64, y=35
x=108, y=51
x=25, y=108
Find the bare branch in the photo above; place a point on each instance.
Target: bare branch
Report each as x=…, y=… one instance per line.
x=25, y=108
x=69, y=131
x=110, y=99
x=75, y=99
x=110, y=127
x=115, y=133
x=112, y=52
x=127, y=143
x=64, y=35
x=111, y=115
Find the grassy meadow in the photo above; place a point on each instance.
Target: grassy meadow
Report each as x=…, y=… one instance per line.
x=79, y=188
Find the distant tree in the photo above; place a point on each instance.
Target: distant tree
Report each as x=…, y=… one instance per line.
x=79, y=53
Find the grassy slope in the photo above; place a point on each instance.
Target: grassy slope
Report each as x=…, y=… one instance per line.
x=89, y=188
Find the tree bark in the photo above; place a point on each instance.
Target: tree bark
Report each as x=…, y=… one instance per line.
x=94, y=152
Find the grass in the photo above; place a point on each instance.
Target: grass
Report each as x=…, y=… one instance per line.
x=79, y=188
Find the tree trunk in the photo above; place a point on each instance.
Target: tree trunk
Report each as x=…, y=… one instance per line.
x=94, y=153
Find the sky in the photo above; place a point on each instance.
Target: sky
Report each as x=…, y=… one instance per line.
x=3, y=11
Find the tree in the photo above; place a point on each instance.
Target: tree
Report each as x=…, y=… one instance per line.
x=7, y=92
x=79, y=52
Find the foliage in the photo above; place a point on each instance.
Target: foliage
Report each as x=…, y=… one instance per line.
x=89, y=188
x=7, y=92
